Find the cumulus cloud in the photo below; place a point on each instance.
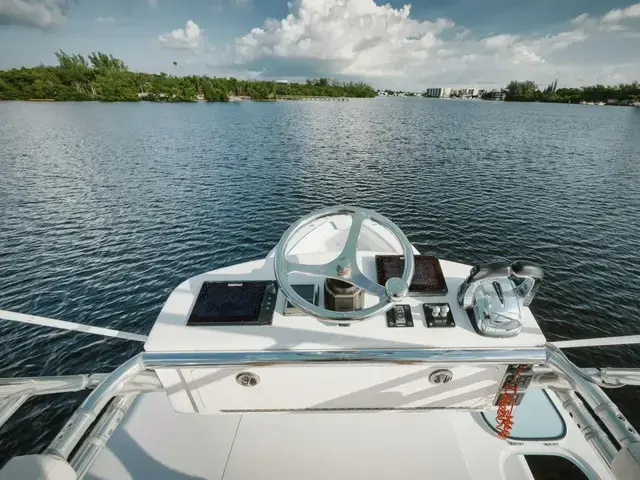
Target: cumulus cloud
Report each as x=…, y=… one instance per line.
x=618, y=14
x=105, y=19
x=362, y=39
x=354, y=37
x=188, y=38
x=41, y=14
x=500, y=41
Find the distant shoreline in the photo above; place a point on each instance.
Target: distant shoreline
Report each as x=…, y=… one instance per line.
x=144, y=100
x=103, y=77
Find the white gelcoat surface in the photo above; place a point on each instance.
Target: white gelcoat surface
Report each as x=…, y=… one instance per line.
x=213, y=390
x=154, y=442
x=170, y=332
x=341, y=387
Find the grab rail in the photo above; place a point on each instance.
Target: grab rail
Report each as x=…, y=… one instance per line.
x=137, y=375
x=14, y=392
x=84, y=416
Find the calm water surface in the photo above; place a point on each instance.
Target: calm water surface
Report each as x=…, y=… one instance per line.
x=105, y=208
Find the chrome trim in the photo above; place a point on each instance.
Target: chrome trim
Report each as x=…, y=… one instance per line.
x=337, y=269
x=32, y=386
x=14, y=392
x=600, y=403
x=100, y=434
x=83, y=418
x=10, y=405
x=46, y=385
x=554, y=363
x=587, y=425
x=156, y=360
x=615, y=376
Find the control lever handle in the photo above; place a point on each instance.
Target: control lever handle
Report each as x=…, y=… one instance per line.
x=523, y=269
x=480, y=272
x=486, y=271
x=520, y=268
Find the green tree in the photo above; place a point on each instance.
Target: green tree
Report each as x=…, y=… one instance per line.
x=526, y=91
x=101, y=76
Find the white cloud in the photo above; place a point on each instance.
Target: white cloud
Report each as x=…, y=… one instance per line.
x=388, y=47
x=188, y=38
x=618, y=14
x=354, y=37
x=580, y=19
x=105, y=19
x=33, y=13
x=500, y=41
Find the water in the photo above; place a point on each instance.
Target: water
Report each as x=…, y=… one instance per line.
x=105, y=208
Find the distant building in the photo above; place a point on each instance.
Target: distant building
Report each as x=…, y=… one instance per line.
x=468, y=92
x=495, y=95
x=438, y=92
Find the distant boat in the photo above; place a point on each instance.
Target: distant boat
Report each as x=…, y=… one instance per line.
x=601, y=104
x=635, y=104
x=234, y=98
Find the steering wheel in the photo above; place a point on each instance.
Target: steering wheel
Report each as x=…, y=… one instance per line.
x=345, y=266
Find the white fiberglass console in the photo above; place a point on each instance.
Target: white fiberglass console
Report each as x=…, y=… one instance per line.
x=242, y=308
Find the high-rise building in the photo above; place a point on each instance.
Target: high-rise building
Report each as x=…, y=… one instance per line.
x=437, y=92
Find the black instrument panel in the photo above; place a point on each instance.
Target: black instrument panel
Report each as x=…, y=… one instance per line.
x=308, y=292
x=234, y=303
x=428, y=278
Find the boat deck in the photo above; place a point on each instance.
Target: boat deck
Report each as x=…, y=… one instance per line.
x=155, y=442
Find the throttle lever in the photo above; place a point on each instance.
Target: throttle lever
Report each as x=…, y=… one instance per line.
x=523, y=269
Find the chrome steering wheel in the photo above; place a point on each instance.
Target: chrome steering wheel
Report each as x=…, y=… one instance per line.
x=345, y=266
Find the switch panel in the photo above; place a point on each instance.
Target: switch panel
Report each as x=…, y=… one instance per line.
x=399, y=316
x=438, y=315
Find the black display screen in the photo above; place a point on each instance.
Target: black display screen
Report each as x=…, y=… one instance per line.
x=427, y=279
x=228, y=303
x=307, y=292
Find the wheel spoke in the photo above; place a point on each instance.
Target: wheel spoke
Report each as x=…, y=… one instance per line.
x=305, y=269
x=351, y=245
x=358, y=279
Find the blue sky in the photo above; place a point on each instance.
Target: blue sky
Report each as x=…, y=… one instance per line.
x=389, y=44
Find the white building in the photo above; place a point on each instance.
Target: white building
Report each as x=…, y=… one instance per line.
x=438, y=92
x=467, y=92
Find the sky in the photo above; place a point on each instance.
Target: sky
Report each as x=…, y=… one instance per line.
x=428, y=43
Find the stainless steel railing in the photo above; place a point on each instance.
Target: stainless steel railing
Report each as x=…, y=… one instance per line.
x=137, y=375
x=82, y=419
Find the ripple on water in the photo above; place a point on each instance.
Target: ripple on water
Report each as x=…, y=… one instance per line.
x=104, y=209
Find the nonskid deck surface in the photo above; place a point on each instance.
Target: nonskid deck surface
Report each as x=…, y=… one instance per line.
x=155, y=442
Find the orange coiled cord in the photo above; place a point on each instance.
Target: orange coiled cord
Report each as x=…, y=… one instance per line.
x=504, y=416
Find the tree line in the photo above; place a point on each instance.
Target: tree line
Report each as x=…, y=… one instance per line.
x=101, y=76
x=528, y=91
